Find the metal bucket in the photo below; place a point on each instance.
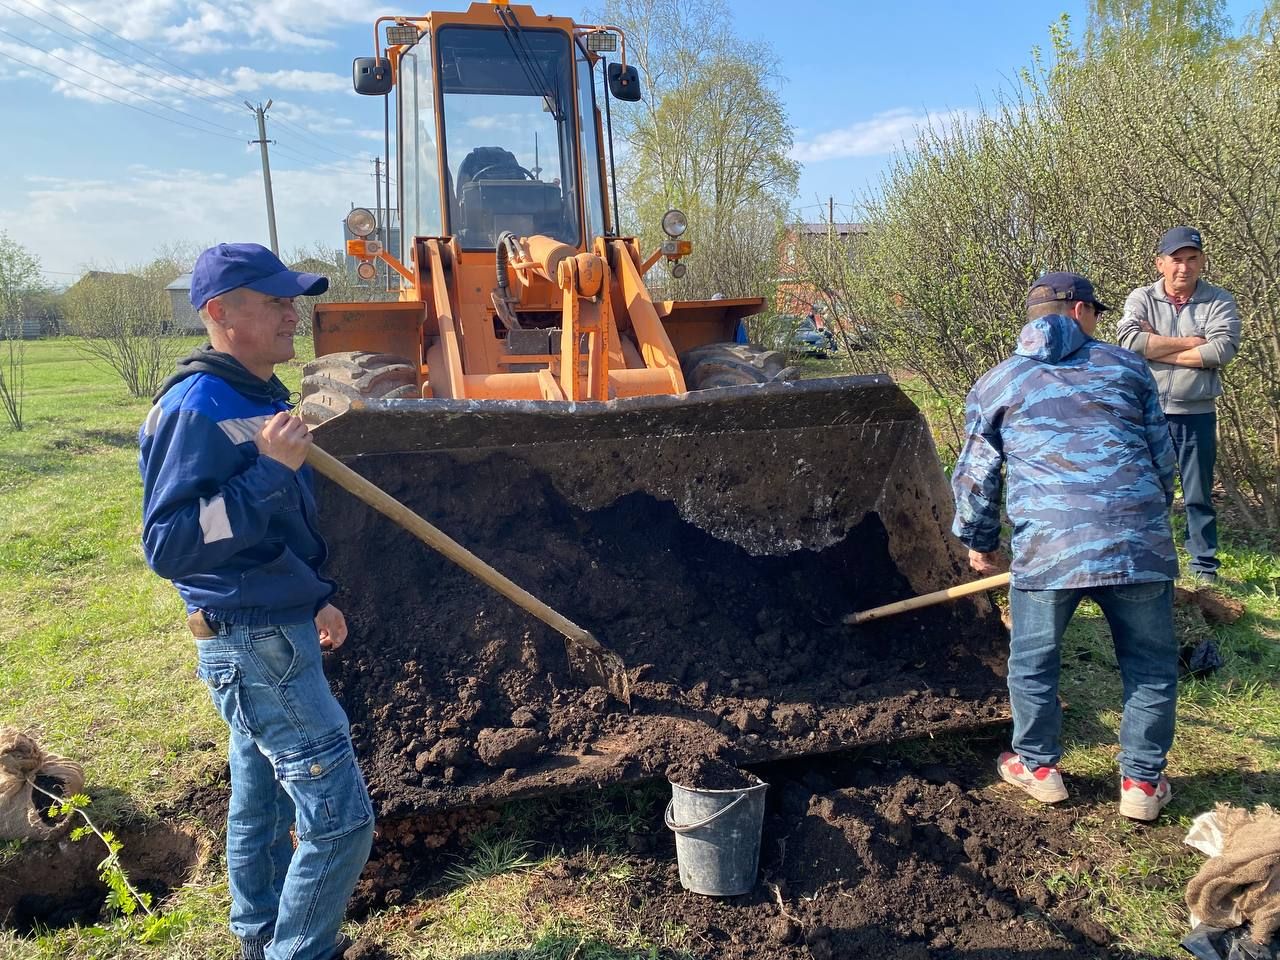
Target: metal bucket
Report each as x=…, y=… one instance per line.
x=717, y=837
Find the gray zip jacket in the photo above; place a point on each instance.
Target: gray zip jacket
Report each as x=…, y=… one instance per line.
x=1210, y=313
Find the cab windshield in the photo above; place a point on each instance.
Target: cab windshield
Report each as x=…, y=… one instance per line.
x=509, y=141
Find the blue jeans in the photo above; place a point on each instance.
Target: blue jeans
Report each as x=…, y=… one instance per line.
x=1195, y=444
x=292, y=764
x=1141, y=619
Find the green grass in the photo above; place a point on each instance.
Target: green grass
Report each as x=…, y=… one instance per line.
x=95, y=663
x=1227, y=749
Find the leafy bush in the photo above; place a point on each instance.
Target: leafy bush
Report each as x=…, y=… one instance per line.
x=1082, y=167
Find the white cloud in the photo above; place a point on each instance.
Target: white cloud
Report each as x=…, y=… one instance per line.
x=81, y=74
x=70, y=223
x=135, y=20
x=200, y=26
x=882, y=134
x=246, y=79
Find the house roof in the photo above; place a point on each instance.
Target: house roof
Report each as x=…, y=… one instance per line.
x=183, y=282
x=823, y=227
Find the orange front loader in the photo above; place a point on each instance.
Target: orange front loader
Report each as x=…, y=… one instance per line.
x=619, y=456
x=515, y=281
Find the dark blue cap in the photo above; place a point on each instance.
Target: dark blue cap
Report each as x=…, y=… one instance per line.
x=1177, y=239
x=230, y=266
x=1067, y=287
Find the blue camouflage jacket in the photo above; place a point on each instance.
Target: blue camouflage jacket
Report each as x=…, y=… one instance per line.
x=1076, y=426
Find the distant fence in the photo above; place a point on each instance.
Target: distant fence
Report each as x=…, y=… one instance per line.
x=29, y=328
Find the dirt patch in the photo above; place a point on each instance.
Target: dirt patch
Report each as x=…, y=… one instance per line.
x=861, y=857
x=1214, y=606
x=458, y=697
x=56, y=884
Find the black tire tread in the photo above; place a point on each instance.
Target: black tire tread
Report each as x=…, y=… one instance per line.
x=332, y=382
x=732, y=364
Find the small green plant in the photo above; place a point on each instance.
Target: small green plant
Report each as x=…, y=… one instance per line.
x=491, y=856
x=121, y=895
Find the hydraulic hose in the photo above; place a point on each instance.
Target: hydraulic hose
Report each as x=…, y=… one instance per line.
x=506, y=239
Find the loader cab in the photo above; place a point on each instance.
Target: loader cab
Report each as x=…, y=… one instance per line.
x=497, y=127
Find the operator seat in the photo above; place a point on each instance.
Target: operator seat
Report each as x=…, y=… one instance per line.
x=489, y=163
x=494, y=193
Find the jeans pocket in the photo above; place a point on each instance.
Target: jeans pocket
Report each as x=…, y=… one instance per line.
x=1142, y=592
x=223, y=681
x=274, y=651
x=327, y=790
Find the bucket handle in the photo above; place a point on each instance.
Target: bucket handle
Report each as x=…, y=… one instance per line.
x=686, y=827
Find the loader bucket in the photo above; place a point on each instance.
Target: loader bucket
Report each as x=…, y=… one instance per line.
x=713, y=539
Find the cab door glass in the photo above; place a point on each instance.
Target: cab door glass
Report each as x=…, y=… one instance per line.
x=593, y=186
x=419, y=158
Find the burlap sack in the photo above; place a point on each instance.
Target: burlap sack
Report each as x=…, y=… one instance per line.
x=1243, y=882
x=21, y=807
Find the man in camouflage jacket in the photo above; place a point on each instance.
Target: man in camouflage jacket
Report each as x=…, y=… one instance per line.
x=1074, y=427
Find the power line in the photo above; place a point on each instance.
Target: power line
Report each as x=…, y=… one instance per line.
x=145, y=50
x=123, y=103
x=309, y=162
x=312, y=162
x=218, y=102
x=143, y=96
x=314, y=141
x=173, y=82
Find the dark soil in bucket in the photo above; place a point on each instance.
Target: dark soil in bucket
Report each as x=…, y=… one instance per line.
x=55, y=884
x=709, y=773
x=864, y=856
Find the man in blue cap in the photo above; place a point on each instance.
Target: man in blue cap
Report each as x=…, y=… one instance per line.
x=1188, y=330
x=1073, y=427
x=229, y=516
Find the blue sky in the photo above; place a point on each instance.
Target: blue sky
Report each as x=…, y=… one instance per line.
x=87, y=181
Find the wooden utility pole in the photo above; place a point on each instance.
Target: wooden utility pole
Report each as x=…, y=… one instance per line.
x=262, y=141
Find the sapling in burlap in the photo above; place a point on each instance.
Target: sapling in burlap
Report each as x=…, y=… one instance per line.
x=29, y=777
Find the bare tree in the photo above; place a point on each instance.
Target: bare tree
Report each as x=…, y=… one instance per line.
x=124, y=320
x=19, y=283
x=344, y=286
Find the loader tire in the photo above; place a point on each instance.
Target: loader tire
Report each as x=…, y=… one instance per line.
x=330, y=383
x=731, y=365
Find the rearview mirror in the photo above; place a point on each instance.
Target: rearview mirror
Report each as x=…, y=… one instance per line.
x=624, y=83
x=371, y=76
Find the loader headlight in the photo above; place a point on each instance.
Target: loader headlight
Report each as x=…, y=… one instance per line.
x=402, y=35
x=602, y=41
x=674, y=223
x=367, y=271
x=678, y=270
x=361, y=222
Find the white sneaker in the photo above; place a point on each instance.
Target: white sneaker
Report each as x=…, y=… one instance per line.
x=1044, y=783
x=1140, y=800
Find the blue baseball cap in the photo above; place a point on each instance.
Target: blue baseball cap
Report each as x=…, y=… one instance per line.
x=230, y=266
x=1179, y=238
x=1066, y=287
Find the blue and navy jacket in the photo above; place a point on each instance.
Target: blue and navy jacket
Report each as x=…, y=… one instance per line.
x=236, y=532
x=1076, y=424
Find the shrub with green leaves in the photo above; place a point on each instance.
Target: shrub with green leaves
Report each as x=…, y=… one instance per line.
x=1097, y=150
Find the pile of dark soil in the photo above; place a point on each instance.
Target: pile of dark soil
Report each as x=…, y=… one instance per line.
x=861, y=857
x=457, y=697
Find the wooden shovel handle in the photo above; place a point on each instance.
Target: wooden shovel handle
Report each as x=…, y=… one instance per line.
x=337, y=471
x=929, y=599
